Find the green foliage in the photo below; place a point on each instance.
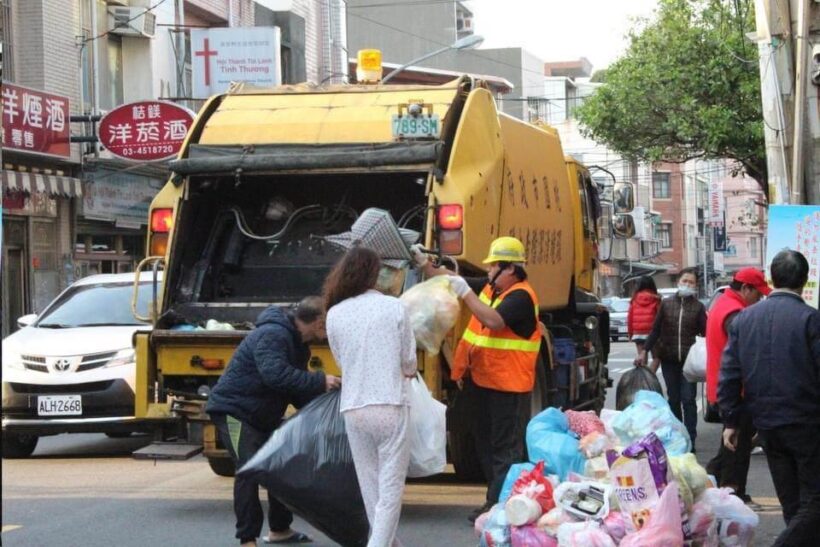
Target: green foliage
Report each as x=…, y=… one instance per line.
x=599, y=76
x=687, y=87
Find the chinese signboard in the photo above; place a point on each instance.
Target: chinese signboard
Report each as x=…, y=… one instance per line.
x=145, y=131
x=716, y=202
x=123, y=198
x=225, y=55
x=797, y=227
x=35, y=121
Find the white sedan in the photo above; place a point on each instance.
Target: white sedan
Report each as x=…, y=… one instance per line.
x=71, y=369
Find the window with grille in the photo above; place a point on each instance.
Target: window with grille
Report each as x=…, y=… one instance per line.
x=665, y=234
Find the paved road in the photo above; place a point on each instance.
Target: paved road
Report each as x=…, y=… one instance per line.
x=87, y=490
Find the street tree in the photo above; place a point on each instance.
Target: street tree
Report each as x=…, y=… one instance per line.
x=687, y=87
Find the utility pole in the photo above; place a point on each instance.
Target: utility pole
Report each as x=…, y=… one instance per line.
x=785, y=30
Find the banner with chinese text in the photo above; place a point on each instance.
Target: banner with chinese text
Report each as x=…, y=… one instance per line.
x=797, y=227
x=35, y=121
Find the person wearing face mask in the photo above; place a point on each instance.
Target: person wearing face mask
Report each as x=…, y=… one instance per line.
x=494, y=362
x=680, y=318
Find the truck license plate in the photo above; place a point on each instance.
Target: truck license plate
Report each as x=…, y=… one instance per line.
x=622, y=329
x=422, y=127
x=60, y=405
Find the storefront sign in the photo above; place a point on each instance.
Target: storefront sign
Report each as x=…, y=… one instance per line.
x=146, y=130
x=797, y=227
x=119, y=197
x=35, y=121
x=716, y=202
x=225, y=55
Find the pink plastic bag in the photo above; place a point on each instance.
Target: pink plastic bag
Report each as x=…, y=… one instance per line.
x=584, y=422
x=531, y=536
x=583, y=534
x=615, y=526
x=664, y=526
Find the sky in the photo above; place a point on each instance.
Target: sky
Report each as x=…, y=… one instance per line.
x=559, y=30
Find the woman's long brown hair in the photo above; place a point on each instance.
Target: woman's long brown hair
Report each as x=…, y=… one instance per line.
x=355, y=273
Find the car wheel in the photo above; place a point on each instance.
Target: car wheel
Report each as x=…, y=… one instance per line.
x=222, y=466
x=613, y=338
x=19, y=445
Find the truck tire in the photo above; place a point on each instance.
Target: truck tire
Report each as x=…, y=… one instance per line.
x=18, y=445
x=224, y=467
x=463, y=454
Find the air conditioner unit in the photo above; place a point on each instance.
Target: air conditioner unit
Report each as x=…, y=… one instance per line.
x=131, y=21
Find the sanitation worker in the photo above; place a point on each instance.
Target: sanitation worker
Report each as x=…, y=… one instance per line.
x=494, y=363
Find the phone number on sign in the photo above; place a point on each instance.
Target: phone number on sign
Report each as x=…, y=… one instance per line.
x=153, y=149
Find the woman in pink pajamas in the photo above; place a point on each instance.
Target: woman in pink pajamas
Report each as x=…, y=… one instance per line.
x=370, y=337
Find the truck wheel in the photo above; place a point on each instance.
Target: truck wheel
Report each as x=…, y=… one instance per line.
x=461, y=443
x=18, y=445
x=224, y=467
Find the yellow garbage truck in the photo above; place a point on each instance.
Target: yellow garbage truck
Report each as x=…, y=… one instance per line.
x=266, y=175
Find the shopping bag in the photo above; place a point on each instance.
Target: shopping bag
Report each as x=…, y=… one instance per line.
x=633, y=381
x=694, y=368
x=427, y=431
x=307, y=465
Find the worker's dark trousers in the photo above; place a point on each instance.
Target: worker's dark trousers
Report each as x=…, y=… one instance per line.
x=731, y=467
x=498, y=429
x=242, y=441
x=793, y=453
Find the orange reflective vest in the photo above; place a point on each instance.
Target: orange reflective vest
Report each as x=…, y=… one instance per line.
x=498, y=359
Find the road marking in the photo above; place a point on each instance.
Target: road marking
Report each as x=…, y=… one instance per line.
x=10, y=527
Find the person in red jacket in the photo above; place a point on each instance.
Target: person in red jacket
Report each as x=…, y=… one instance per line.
x=642, y=311
x=747, y=287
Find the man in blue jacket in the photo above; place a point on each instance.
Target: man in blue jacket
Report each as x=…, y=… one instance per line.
x=268, y=371
x=771, y=366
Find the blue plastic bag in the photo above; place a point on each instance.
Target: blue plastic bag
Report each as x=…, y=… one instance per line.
x=512, y=475
x=550, y=439
x=650, y=413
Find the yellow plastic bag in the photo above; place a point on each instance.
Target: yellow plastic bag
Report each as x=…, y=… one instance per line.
x=433, y=308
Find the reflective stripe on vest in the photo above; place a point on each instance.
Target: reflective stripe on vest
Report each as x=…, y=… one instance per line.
x=499, y=359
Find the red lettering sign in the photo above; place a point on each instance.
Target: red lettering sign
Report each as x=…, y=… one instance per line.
x=146, y=130
x=35, y=121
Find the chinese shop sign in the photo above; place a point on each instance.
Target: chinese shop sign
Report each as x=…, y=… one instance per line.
x=35, y=121
x=146, y=130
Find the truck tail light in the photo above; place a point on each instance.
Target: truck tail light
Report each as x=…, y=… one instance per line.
x=450, y=242
x=450, y=217
x=159, y=244
x=162, y=220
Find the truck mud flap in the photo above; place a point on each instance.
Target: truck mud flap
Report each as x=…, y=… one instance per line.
x=167, y=451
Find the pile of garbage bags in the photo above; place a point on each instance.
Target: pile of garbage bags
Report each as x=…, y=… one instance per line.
x=623, y=478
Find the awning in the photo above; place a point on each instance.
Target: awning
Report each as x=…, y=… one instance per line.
x=53, y=185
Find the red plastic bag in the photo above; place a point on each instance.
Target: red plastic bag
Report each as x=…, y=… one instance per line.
x=534, y=485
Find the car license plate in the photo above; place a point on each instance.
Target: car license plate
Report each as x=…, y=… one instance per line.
x=622, y=330
x=60, y=405
x=421, y=127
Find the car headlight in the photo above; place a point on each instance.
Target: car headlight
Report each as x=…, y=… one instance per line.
x=123, y=357
x=13, y=361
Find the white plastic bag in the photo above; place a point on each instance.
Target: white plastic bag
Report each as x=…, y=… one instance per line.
x=694, y=369
x=427, y=431
x=433, y=308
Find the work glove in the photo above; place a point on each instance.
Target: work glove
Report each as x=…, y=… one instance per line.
x=459, y=285
x=420, y=258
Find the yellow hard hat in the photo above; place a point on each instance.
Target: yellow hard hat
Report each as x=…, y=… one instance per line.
x=506, y=249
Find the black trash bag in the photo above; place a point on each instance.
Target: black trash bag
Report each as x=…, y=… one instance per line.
x=308, y=466
x=632, y=382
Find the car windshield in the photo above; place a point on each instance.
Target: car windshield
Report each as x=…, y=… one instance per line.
x=104, y=304
x=619, y=305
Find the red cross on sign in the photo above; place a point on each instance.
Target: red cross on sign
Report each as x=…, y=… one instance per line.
x=206, y=53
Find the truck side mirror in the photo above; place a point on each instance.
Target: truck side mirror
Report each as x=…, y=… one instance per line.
x=623, y=197
x=26, y=320
x=623, y=225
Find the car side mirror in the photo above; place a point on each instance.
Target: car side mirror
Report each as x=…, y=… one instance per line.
x=26, y=320
x=623, y=197
x=623, y=225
